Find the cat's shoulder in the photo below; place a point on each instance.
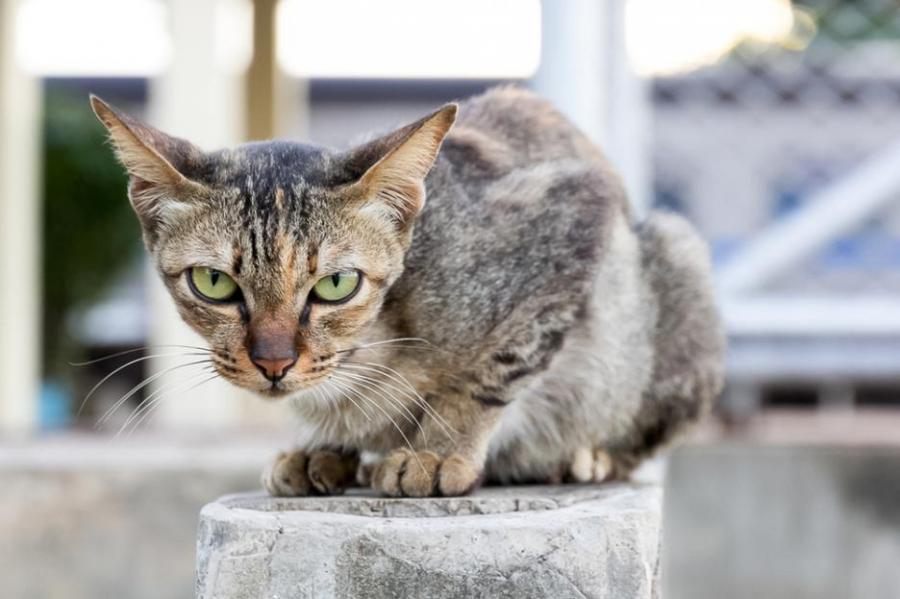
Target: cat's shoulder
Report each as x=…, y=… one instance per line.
x=509, y=127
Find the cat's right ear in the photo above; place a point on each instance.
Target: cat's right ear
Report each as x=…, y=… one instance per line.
x=156, y=165
x=393, y=167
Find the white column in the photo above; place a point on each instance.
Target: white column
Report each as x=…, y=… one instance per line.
x=574, y=51
x=201, y=98
x=628, y=115
x=20, y=265
x=585, y=72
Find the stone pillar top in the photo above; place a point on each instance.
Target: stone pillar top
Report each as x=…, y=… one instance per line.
x=526, y=541
x=487, y=501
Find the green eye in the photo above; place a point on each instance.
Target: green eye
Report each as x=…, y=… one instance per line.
x=337, y=287
x=212, y=284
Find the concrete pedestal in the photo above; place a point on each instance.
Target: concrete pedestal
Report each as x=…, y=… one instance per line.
x=517, y=542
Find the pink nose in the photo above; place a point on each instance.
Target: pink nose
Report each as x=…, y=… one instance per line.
x=272, y=345
x=274, y=369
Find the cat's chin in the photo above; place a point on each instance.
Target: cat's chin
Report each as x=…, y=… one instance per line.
x=275, y=392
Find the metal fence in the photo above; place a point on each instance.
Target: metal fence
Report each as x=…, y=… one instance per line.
x=789, y=162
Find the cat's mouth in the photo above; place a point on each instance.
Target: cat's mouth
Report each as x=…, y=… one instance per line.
x=278, y=389
x=296, y=380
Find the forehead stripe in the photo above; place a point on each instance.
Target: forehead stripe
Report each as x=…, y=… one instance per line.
x=312, y=261
x=238, y=260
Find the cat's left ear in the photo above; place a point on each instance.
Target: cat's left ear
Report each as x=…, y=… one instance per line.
x=157, y=164
x=394, y=185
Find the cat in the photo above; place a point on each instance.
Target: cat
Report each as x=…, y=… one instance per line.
x=468, y=297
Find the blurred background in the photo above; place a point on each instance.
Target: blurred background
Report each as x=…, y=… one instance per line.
x=774, y=126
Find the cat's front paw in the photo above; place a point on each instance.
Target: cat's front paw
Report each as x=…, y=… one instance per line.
x=405, y=473
x=299, y=473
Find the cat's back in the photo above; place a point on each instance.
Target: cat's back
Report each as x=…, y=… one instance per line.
x=519, y=196
x=509, y=128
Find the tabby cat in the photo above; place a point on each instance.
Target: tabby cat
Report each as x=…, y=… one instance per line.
x=444, y=304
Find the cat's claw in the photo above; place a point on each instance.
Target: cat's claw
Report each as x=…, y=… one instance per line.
x=298, y=473
x=404, y=473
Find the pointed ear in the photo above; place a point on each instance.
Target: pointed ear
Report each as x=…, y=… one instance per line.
x=394, y=184
x=156, y=165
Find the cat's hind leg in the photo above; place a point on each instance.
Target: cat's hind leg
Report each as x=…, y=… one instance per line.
x=591, y=466
x=599, y=465
x=689, y=341
x=298, y=473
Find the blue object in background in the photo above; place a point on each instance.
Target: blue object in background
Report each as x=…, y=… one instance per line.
x=54, y=406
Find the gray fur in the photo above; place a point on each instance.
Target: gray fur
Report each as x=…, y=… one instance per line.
x=554, y=323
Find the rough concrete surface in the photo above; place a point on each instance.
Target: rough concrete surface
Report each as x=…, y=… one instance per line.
x=516, y=542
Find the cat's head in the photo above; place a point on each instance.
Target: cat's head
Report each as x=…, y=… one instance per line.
x=279, y=254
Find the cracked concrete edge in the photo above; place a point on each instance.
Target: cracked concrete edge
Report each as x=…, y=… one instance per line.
x=490, y=500
x=602, y=548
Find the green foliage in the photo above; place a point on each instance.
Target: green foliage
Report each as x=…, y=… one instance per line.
x=847, y=21
x=90, y=232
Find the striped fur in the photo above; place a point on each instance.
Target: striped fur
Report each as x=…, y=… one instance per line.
x=562, y=339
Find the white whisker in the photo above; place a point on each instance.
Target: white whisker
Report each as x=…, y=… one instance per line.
x=165, y=389
x=397, y=342
x=121, y=401
x=343, y=390
x=379, y=387
x=126, y=365
x=138, y=349
x=327, y=391
x=402, y=380
x=151, y=405
x=392, y=421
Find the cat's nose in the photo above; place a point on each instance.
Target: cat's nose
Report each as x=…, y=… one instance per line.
x=274, y=369
x=272, y=345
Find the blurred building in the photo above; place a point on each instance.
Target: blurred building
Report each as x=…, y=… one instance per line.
x=770, y=124
x=787, y=161
x=774, y=126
